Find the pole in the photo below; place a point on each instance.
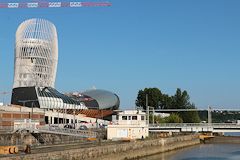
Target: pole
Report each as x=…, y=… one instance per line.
x=153, y=116
x=209, y=115
x=32, y=111
x=147, y=107
x=58, y=118
x=74, y=115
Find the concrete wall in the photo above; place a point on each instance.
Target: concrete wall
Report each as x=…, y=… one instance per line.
x=24, y=138
x=117, y=151
x=224, y=139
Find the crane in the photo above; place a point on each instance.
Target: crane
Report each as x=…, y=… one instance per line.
x=45, y=4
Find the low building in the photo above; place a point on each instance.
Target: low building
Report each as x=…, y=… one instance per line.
x=10, y=116
x=13, y=116
x=130, y=124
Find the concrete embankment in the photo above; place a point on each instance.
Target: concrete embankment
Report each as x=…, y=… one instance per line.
x=225, y=139
x=128, y=150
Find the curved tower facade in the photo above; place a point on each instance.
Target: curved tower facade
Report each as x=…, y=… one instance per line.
x=36, y=57
x=36, y=54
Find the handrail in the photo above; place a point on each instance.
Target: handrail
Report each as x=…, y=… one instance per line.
x=74, y=132
x=194, y=124
x=55, y=130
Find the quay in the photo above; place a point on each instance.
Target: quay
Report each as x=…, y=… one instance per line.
x=115, y=151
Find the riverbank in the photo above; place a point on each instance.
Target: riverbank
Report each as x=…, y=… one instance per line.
x=225, y=139
x=121, y=151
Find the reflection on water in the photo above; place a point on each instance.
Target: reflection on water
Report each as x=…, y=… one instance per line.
x=201, y=152
x=232, y=134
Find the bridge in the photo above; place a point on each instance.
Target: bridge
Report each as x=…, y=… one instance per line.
x=195, y=127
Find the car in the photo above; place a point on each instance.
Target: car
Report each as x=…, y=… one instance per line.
x=69, y=126
x=83, y=127
x=53, y=128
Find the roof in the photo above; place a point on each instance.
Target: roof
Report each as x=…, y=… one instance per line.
x=105, y=99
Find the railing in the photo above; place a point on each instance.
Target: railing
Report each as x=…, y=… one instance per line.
x=5, y=129
x=179, y=125
x=66, y=131
x=33, y=126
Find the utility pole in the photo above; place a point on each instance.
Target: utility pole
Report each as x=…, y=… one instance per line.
x=209, y=115
x=32, y=111
x=153, y=116
x=74, y=112
x=147, y=107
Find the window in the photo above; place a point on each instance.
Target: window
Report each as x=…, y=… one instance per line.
x=134, y=117
x=129, y=117
x=124, y=117
x=117, y=117
x=142, y=118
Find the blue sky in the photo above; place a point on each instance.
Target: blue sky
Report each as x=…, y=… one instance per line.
x=169, y=44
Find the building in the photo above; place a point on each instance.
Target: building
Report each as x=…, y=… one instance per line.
x=129, y=124
x=36, y=54
x=97, y=99
x=13, y=116
x=36, y=58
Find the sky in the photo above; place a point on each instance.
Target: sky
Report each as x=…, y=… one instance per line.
x=134, y=44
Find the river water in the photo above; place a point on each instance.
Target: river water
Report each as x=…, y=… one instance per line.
x=201, y=152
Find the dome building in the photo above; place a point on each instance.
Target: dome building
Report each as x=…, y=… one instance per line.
x=97, y=99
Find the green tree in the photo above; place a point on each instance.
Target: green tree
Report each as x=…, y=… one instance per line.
x=181, y=100
x=166, y=102
x=154, y=97
x=157, y=119
x=173, y=118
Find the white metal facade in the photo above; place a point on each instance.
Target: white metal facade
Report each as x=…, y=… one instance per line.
x=36, y=54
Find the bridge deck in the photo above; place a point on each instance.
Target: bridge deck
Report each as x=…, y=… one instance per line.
x=195, y=127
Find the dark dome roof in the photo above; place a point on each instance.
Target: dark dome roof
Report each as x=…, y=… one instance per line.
x=105, y=99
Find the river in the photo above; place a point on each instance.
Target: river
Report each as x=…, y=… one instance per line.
x=201, y=152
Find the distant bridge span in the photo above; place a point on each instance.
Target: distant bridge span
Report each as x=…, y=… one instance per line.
x=195, y=127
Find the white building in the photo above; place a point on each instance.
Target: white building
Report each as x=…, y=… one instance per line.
x=36, y=54
x=130, y=124
x=36, y=58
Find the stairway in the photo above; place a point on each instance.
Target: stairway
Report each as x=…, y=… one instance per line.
x=38, y=137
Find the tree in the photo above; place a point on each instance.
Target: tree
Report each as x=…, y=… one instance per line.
x=173, y=118
x=166, y=102
x=157, y=119
x=154, y=97
x=181, y=100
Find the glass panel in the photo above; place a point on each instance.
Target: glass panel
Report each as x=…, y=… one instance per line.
x=124, y=117
x=134, y=117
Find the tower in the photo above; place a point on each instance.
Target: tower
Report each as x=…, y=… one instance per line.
x=36, y=54
x=36, y=57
